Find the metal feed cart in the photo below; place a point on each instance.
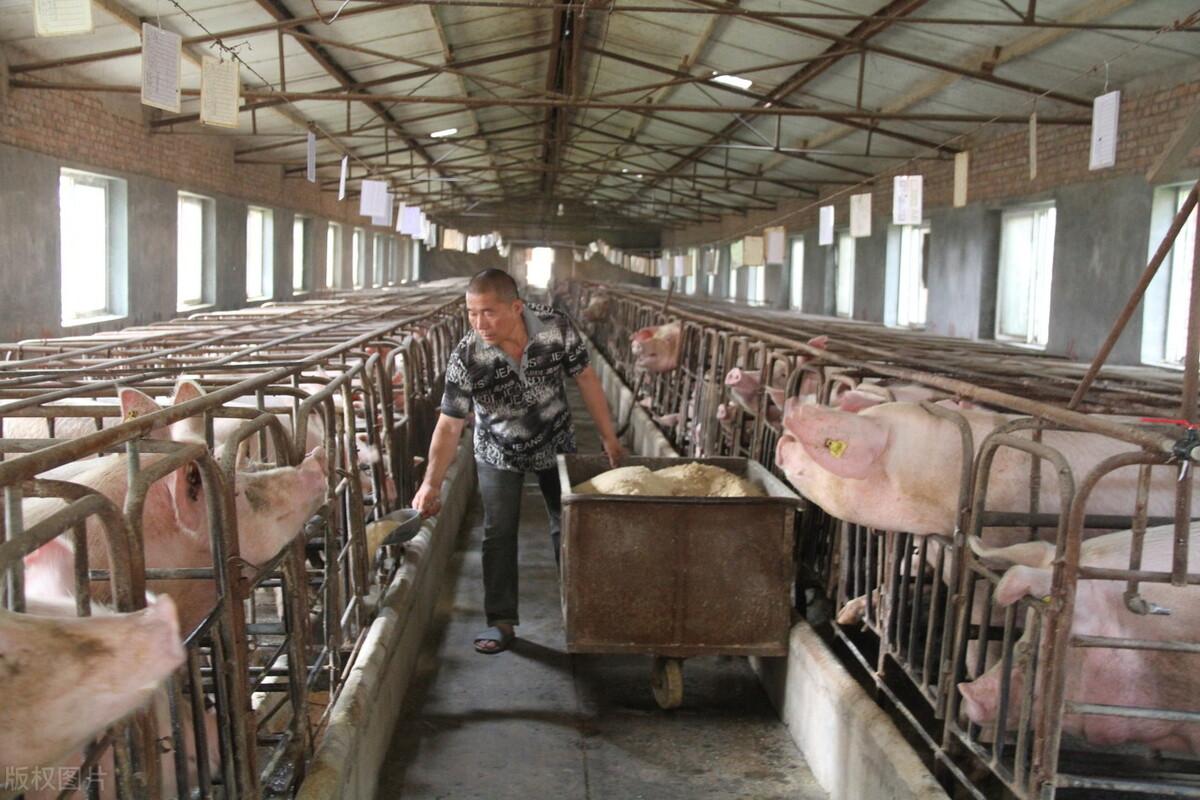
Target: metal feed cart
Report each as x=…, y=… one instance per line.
x=675, y=577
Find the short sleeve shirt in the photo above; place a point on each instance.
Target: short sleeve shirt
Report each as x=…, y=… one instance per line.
x=522, y=417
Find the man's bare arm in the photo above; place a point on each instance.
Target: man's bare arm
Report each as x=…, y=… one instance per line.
x=428, y=499
x=593, y=397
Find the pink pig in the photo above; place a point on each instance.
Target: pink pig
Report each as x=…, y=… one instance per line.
x=656, y=348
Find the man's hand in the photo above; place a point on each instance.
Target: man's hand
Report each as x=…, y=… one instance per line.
x=614, y=451
x=427, y=500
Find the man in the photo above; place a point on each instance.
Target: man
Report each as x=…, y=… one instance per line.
x=509, y=369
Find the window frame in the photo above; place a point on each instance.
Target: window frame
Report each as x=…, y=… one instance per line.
x=796, y=274
x=207, y=254
x=1037, y=309
x=900, y=294
x=112, y=249
x=266, y=266
x=844, y=290
x=333, y=255
x=358, y=258
x=1168, y=293
x=306, y=267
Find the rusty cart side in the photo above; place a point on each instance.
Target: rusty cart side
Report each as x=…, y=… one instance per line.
x=675, y=577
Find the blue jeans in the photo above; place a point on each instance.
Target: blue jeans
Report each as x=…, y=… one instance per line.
x=501, y=491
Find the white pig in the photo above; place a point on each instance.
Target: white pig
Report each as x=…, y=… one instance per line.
x=1105, y=676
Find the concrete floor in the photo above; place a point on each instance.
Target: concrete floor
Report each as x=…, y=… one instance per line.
x=536, y=723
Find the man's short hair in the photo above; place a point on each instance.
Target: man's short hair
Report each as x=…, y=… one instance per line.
x=494, y=281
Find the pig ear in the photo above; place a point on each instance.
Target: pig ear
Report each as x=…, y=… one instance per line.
x=1020, y=581
x=854, y=401
x=186, y=390
x=976, y=703
x=135, y=403
x=192, y=428
x=847, y=445
x=188, y=493
x=733, y=377
x=820, y=342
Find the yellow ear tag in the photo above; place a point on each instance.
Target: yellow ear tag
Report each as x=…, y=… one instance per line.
x=835, y=447
x=130, y=414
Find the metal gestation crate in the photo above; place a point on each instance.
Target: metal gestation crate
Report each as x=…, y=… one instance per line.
x=676, y=577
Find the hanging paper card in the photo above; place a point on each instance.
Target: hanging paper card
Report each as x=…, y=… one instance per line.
x=1105, y=109
x=62, y=17
x=311, y=165
x=373, y=200
x=342, y=181
x=737, y=253
x=775, y=244
x=162, y=53
x=384, y=219
x=906, y=200
x=1032, y=146
x=410, y=221
x=220, y=92
x=752, y=251
x=825, y=228
x=860, y=215
x=962, y=165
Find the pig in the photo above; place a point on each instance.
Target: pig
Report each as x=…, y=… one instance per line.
x=65, y=679
x=18, y=427
x=667, y=420
x=867, y=395
x=896, y=467
x=159, y=706
x=272, y=506
x=1107, y=676
x=746, y=388
x=597, y=308
x=656, y=348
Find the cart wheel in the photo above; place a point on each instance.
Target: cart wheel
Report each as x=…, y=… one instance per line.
x=666, y=679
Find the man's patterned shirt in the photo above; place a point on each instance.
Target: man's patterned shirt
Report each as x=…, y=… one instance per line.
x=522, y=418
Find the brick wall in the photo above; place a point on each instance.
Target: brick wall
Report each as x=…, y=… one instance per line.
x=103, y=132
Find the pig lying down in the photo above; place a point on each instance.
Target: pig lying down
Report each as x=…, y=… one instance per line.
x=65, y=679
x=682, y=480
x=1152, y=679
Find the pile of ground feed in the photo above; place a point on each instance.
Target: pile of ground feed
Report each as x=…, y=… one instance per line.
x=683, y=480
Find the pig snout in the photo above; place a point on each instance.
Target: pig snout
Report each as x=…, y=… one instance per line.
x=979, y=699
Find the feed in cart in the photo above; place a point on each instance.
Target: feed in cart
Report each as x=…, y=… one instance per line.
x=683, y=480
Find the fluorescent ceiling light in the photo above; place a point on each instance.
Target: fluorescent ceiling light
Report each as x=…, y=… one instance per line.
x=443, y=132
x=733, y=80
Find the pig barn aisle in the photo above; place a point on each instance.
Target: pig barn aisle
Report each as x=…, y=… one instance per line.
x=535, y=722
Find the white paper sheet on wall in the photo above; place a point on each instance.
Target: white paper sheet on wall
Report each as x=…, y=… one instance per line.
x=220, y=92
x=775, y=244
x=753, y=253
x=962, y=165
x=906, y=200
x=345, y=174
x=162, y=53
x=62, y=17
x=1032, y=146
x=860, y=215
x=825, y=227
x=311, y=161
x=373, y=200
x=1105, y=110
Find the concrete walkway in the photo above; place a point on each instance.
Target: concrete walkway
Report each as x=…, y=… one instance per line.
x=535, y=723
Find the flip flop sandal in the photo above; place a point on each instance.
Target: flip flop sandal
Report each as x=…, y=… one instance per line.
x=502, y=640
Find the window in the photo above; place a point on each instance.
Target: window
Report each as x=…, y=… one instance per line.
x=414, y=265
x=301, y=268
x=756, y=279
x=333, y=255
x=90, y=244
x=907, y=293
x=711, y=284
x=260, y=248
x=539, y=267
x=379, y=269
x=796, y=269
x=689, y=284
x=733, y=282
x=1026, y=265
x=193, y=250
x=1164, y=324
x=358, y=257
x=844, y=263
